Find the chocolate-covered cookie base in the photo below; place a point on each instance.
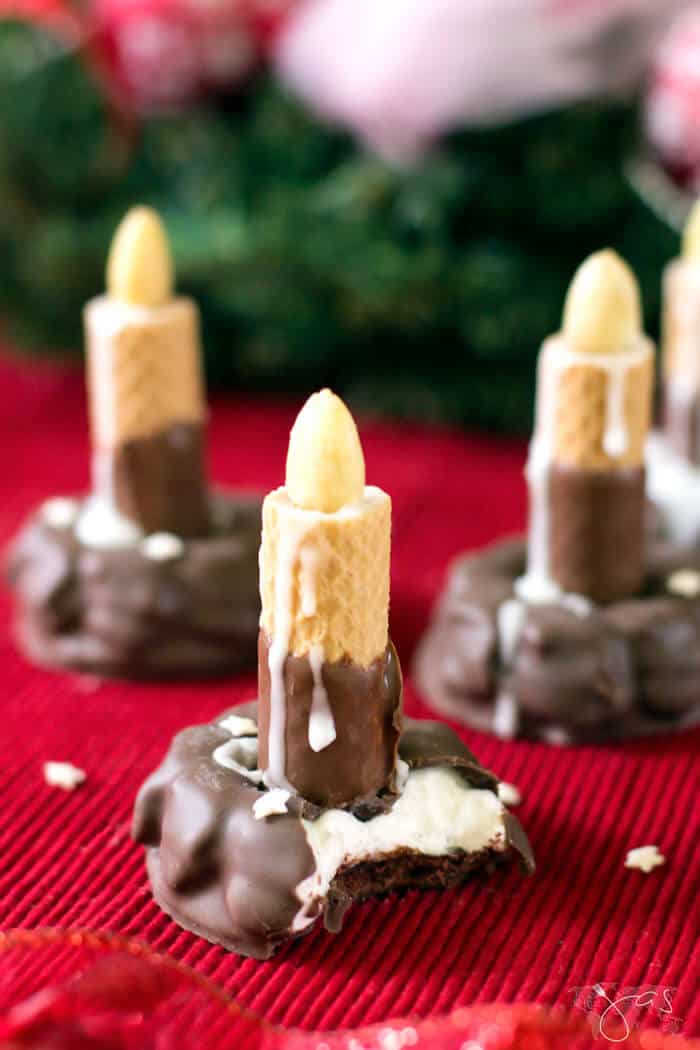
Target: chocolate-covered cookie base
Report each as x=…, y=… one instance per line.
x=251, y=868
x=159, y=608
x=565, y=671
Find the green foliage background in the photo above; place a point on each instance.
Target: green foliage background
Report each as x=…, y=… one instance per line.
x=424, y=293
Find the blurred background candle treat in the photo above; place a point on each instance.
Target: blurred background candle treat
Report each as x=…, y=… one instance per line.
x=339, y=175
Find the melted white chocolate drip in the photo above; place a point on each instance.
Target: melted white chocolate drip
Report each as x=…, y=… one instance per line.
x=308, y=569
x=290, y=542
x=322, y=730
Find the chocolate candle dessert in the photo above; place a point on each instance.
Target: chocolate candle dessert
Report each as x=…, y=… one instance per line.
x=283, y=812
x=587, y=630
x=151, y=575
x=586, y=466
x=146, y=394
x=673, y=455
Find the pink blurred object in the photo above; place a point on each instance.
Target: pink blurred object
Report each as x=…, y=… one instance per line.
x=401, y=72
x=672, y=115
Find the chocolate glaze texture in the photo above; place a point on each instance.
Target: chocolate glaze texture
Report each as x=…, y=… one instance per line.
x=596, y=531
x=121, y=612
x=232, y=878
x=159, y=481
x=567, y=671
x=365, y=707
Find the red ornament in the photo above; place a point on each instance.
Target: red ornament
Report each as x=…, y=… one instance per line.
x=151, y=52
x=161, y=55
x=672, y=112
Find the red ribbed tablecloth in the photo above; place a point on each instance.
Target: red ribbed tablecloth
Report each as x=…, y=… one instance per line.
x=66, y=859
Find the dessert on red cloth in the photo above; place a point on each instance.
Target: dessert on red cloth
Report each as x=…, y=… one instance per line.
x=584, y=918
x=282, y=812
x=591, y=630
x=152, y=575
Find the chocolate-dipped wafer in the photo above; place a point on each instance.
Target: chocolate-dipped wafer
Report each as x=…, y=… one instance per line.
x=586, y=464
x=146, y=394
x=324, y=583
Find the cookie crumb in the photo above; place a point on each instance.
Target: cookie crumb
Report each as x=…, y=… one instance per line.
x=645, y=858
x=63, y=775
x=509, y=794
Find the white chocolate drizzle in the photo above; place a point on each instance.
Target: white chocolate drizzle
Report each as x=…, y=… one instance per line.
x=290, y=542
x=322, y=730
x=510, y=617
x=100, y=525
x=615, y=436
x=505, y=716
x=308, y=569
x=240, y=755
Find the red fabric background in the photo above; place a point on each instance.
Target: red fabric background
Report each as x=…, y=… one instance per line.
x=583, y=918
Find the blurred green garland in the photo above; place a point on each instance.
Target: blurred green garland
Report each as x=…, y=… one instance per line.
x=423, y=293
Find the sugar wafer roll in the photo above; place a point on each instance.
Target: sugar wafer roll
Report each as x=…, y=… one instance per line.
x=681, y=346
x=146, y=395
x=586, y=463
x=329, y=680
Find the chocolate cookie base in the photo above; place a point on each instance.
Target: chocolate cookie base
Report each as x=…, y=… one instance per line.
x=569, y=671
x=120, y=613
x=233, y=879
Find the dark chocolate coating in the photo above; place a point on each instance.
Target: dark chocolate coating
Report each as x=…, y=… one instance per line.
x=623, y=669
x=230, y=878
x=596, y=531
x=681, y=425
x=366, y=708
x=160, y=481
x=119, y=613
